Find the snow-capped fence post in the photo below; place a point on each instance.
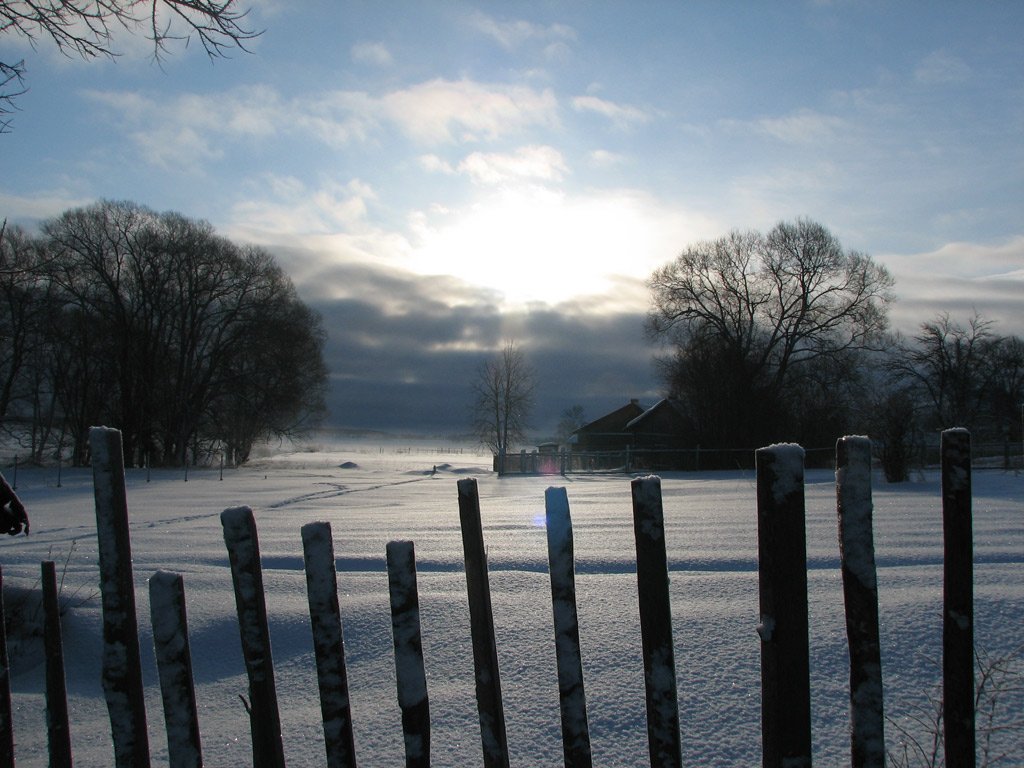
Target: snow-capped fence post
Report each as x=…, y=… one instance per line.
x=243, y=547
x=409, y=672
x=58, y=730
x=656, y=623
x=481, y=621
x=860, y=591
x=571, y=694
x=958, y=600
x=782, y=587
x=6, y=720
x=122, y=670
x=328, y=644
x=174, y=665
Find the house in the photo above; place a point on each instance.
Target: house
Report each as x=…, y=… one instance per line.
x=663, y=426
x=608, y=433
x=663, y=438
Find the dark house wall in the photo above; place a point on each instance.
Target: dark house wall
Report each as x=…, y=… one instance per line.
x=609, y=432
x=663, y=426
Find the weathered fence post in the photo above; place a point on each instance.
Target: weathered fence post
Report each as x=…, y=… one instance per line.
x=174, y=664
x=481, y=620
x=328, y=644
x=247, y=575
x=58, y=730
x=6, y=720
x=571, y=694
x=409, y=672
x=782, y=585
x=860, y=590
x=958, y=600
x=122, y=671
x=656, y=623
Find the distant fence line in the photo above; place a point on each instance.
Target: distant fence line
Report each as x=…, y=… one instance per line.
x=1001, y=455
x=783, y=628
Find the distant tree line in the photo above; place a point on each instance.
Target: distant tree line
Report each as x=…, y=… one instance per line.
x=784, y=337
x=151, y=322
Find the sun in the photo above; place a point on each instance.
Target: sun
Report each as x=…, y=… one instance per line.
x=534, y=244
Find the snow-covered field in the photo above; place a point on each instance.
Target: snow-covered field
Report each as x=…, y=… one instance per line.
x=373, y=492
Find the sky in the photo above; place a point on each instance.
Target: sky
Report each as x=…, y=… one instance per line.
x=439, y=178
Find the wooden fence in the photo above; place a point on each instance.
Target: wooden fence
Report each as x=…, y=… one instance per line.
x=783, y=627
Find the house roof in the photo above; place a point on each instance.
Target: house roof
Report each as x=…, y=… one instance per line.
x=673, y=406
x=614, y=422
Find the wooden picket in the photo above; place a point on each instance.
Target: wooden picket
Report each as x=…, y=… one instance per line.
x=243, y=547
x=782, y=581
x=568, y=657
x=6, y=723
x=122, y=670
x=860, y=591
x=174, y=665
x=481, y=622
x=958, y=601
x=656, y=624
x=328, y=644
x=58, y=729
x=782, y=587
x=410, y=673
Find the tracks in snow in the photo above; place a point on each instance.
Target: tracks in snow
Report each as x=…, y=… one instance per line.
x=337, y=489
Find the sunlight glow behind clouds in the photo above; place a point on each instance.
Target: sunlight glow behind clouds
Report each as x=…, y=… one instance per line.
x=533, y=244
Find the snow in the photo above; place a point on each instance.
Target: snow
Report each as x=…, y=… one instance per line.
x=393, y=494
x=786, y=468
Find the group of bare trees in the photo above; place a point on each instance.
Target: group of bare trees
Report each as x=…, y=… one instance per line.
x=783, y=336
x=952, y=373
x=187, y=342
x=765, y=333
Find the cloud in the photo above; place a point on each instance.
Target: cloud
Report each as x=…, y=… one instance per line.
x=375, y=54
x=531, y=163
x=1003, y=260
x=402, y=357
x=292, y=207
x=184, y=133
x=803, y=127
x=447, y=111
x=961, y=279
x=513, y=34
x=942, y=68
x=188, y=132
x=602, y=158
x=29, y=210
x=621, y=116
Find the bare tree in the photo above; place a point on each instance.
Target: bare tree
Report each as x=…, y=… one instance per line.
x=86, y=28
x=966, y=375
x=197, y=342
x=745, y=314
x=10, y=74
x=503, y=390
x=572, y=418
